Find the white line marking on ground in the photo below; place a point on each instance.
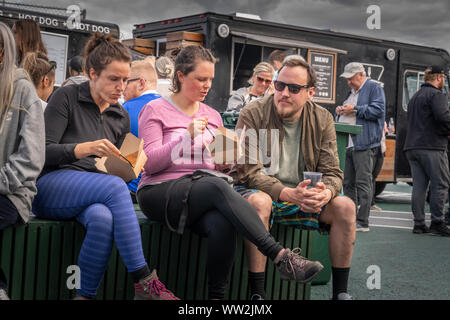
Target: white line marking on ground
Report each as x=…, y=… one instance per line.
x=390, y=218
x=392, y=227
x=387, y=211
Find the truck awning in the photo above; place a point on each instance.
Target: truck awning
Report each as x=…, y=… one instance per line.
x=285, y=42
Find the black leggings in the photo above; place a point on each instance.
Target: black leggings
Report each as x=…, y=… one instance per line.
x=216, y=211
x=8, y=217
x=8, y=213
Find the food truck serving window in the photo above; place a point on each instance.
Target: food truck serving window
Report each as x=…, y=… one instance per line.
x=250, y=49
x=412, y=81
x=246, y=54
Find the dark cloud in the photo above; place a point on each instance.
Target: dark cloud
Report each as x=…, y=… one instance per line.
x=414, y=21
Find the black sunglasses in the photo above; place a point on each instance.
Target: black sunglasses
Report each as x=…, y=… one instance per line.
x=52, y=66
x=293, y=88
x=131, y=80
x=267, y=81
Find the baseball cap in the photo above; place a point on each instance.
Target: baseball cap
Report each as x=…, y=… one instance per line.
x=351, y=69
x=436, y=69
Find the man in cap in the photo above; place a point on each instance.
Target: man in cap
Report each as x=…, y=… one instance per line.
x=426, y=150
x=365, y=105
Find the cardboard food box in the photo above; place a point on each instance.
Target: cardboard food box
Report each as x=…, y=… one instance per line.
x=226, y=147
x=133, y=150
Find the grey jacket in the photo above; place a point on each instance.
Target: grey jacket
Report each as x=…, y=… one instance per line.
x=22, y=146
x=240, y=99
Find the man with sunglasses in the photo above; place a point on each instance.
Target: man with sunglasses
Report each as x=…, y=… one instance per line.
x=140, y=90
x=365, y=105
x=300, y=137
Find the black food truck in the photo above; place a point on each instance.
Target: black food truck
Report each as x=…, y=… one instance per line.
x=64, y=31
x=240, y=41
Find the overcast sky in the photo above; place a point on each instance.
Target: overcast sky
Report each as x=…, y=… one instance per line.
x=412, y=21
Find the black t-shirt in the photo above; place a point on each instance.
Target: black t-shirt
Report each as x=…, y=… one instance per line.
x=72, y=117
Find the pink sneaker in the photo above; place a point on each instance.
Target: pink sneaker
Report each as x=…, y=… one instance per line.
x=150, y=288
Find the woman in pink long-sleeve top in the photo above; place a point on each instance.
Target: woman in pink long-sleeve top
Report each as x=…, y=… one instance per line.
x=174, y=136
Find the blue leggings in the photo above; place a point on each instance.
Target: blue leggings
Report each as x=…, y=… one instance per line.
x=102, y=203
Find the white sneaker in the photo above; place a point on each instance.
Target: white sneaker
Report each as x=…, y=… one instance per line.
x=3, y=295
x=344, y=296
x=376, y=208
x=360, y=228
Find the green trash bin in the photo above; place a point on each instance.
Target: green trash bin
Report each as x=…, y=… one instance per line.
x=318, y=242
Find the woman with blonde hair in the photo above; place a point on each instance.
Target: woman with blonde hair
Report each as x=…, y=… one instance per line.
x=42, y=74
x=260, y=83
x=22, y=140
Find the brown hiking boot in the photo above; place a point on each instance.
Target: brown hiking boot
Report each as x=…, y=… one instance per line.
x=150, y=288
x=292, y=266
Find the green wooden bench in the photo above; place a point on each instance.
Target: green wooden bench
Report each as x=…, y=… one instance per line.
x=35, y=258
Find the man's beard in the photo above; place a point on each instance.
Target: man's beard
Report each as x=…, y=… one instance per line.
x=287, y=114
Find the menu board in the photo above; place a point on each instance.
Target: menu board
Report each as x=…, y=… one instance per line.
x=56, y=45
x=324, y=63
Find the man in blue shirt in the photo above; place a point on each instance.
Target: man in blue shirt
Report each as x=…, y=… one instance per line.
x=365, y=105
x=140, y=90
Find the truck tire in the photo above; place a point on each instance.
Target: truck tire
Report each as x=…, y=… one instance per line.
x=379, y=187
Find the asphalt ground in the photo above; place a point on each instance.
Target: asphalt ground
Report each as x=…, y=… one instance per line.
x=410, y=266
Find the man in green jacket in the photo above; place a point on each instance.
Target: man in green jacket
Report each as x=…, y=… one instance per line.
x=285, y=135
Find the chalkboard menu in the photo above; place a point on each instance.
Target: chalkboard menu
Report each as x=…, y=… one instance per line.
x=324, y=63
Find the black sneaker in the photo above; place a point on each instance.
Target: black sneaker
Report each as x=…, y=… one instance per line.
x=421, y=229
x=440, y=229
